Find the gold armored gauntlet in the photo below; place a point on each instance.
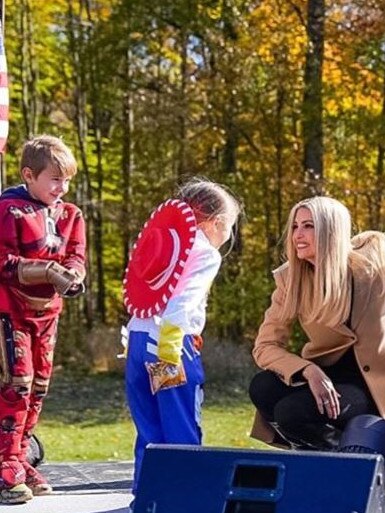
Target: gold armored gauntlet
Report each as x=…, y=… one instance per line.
x=38, y=272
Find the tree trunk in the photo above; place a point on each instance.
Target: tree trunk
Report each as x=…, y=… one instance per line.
x=75, y=36
x=279, y=143
x=28, y=72
x=127, y=157
x=312, y=101
x=182, y=106
x=377, y=222
x=93, y=63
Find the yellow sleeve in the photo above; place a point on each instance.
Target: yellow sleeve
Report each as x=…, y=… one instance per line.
x=170, y=343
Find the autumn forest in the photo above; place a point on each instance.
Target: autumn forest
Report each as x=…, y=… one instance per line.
x=278, y=99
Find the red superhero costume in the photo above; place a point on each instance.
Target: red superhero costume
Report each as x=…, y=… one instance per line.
x=31, y=233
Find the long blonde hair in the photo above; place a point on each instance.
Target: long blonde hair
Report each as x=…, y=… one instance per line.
x=321, y=292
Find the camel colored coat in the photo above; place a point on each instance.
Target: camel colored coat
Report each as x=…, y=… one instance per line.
x=326, y=344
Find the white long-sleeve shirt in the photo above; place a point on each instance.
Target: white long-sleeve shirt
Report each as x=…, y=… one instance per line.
x=186, y=308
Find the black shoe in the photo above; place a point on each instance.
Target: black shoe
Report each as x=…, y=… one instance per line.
x=312, y=437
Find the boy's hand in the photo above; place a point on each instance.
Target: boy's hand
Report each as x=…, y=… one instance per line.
x=78, y=286
x=67, y=282
x=78, y=278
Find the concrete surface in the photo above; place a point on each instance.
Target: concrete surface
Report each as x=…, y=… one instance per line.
x=82, y=488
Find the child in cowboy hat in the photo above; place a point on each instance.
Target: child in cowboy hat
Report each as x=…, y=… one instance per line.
x=170, y=271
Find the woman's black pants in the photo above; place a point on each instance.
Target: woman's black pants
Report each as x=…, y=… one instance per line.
x=293, y=412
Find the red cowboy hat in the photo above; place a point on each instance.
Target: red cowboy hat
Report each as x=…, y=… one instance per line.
x=158, y=257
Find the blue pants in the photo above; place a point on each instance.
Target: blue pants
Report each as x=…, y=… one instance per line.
x=171, y=415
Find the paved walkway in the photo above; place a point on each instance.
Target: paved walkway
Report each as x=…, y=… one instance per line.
x=82, y=488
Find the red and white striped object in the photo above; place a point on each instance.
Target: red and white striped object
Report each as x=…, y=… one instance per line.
x=4, y=95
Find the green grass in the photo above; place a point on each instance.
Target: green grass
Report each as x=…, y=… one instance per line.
x=85, y=418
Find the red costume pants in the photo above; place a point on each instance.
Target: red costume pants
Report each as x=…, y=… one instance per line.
x=26, y=359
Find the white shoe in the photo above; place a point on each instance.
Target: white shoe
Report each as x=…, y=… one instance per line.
x=18, y=494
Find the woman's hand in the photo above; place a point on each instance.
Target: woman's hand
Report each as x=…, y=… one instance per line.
x=322, y=388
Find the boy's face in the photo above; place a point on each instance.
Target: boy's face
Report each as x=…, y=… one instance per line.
x=48, y=186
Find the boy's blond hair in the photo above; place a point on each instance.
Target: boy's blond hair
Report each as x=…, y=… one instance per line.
x=45, y=150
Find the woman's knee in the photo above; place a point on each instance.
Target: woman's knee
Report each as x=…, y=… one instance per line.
x=286, y=417
x=262, y=390
x=293, y=412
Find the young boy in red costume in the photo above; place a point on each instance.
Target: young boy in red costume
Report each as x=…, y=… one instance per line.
x=42, y=259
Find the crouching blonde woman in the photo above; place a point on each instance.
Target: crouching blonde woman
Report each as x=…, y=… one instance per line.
x=336, y=293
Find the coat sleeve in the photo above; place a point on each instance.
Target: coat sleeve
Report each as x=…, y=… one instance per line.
x=270, y=349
